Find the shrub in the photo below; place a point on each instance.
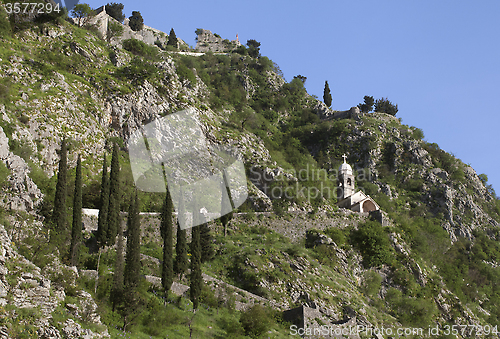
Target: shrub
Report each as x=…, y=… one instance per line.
x=373, y=243
x=337, y=235
x=255, y=321
x=137, y=71
x=372, y=283
x=140, y=48
x=185, y=73
x=4, y=173
x=5, y=87
x=5, y=29
x=21, y=149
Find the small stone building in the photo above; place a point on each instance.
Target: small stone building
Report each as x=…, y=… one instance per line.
x=347, y=197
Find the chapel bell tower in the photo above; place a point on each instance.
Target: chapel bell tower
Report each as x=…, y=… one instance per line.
x=345, y=181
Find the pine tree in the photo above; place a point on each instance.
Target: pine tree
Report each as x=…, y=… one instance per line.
x=167, y=272
x=384, y=105
x=206, y=243
x=76, y=230
x=59, y=212
x=327, y=96
x=196, y=279
x=368, y=105
x=172, y=39
x=115, y=10
x=114, y=198
x=133, y=258
x=102, y=222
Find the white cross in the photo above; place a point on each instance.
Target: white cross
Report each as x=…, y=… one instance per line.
x=345, y=157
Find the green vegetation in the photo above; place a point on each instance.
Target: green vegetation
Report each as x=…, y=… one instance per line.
x=367, y=106
x=172, y=39
x=113, y=222
x=195, y=278
x=76, y=229
x=133, y=255
x=102, y=223
x=82, y=12
x=167, y=228
x=327, y=96
x=115, y=10
x=115, y=30
x=59, y=213
x=383, y=105
x=140, y=48
x=136, y=22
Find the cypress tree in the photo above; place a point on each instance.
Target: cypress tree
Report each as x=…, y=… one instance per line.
x=196, y=279
x=59, y=212
x=76, y=230
x=225, y=218
x=327, y=96
x=167, y=272
x=117, y=289
x=114, y=196
x=206, y=243
x=133, y=259
x=172, y=39
x=181, y=259
x=102, y=223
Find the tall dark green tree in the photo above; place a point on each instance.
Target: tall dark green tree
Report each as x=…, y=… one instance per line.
x=195, y=279
x=115, y=10
x=136, y=22
x=206, y=243
x=167, y=269
x=76, y=230
x=117, y=289
x=59, y=212
x=114, y=198
x=367, y=106
x=133, y=258
x=181, y=259
x=226, y=218
x=172, y=39
x=327, y=96
x=102, y=222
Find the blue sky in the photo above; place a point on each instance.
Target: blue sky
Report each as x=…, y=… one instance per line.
x=438, y=60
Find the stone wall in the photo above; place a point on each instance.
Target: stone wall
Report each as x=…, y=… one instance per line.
x=148, y=34
x=209, y=42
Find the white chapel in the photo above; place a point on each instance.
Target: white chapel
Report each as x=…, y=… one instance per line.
x=347, y=198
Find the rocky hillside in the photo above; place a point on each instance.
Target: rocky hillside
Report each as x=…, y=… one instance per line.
x=436, y=264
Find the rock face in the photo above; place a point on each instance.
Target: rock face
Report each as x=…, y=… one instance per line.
x=24, y=285
x=22, y=194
